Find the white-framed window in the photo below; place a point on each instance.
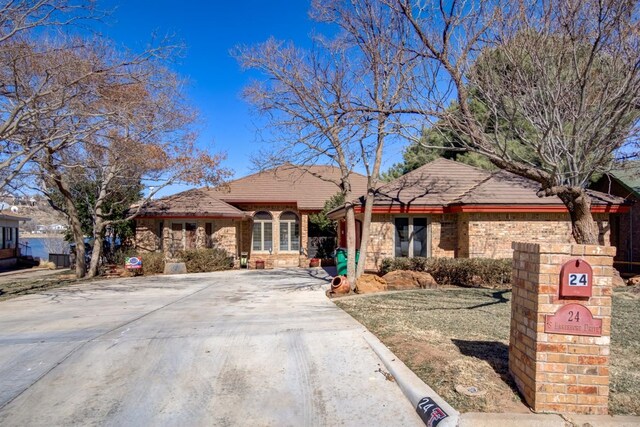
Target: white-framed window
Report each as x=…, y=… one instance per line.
x=289, y=232
x=411, y=237
x=262, y=232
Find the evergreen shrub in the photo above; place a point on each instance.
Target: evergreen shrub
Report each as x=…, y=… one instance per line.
x=206, y=260
x=456, y=271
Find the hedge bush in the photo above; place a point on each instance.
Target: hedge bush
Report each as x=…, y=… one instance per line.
x=121, y=253
x=456, y=271
x=205, y=260
x=152, y=262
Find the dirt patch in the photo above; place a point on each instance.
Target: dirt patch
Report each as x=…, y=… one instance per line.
x=15, y=288
x=460, y=337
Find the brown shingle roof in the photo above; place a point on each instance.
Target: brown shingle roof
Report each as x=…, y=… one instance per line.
x=440, y=182
x=197, y=202
x=309, y=188
x=444, y=182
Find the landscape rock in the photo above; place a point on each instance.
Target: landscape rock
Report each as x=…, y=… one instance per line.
x=616, y=280
x=369, y=283
x=175, y=268
x=634, y=281
x=404, y=279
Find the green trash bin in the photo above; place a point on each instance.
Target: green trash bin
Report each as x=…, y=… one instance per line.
x=341, y=260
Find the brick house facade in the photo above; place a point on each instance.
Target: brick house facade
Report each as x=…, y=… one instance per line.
x=264, y=215
x=476, y=235
x=448, y=209
x=443, y=209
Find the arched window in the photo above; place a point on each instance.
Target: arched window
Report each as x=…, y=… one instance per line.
x=289, y=232
x=262, y=231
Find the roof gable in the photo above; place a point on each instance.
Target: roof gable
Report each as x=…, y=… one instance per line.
x=440, y=182
x=629, y=177
x=308, y=187
x=197, y=202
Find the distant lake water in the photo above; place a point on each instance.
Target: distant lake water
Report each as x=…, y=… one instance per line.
x=38, y=246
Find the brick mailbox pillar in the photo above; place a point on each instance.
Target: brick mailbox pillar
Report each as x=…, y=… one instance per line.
x=559, y=344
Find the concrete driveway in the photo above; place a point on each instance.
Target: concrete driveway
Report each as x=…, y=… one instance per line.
x=252, y=348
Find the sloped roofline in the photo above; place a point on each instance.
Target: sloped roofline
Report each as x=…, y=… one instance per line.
x=12, y=216
x=622, y=180
x=288, y=190
x=457, y=206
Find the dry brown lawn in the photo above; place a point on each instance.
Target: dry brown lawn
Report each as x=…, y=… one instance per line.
x=11, y=288
x=452, y=337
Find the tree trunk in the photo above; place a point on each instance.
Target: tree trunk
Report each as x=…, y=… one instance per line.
x=78, y=238
x=583, y=227
x=366, y=233
x=351, y=244
x=372, y=184
x=96, y=254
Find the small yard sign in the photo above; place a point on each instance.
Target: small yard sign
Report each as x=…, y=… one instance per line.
x=132, y=263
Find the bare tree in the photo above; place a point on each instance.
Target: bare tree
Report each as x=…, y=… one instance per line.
x=564, y=77
x=18, y=17
x=303, y=100
x=133, y=127
x=377, y=40
x=32, y=74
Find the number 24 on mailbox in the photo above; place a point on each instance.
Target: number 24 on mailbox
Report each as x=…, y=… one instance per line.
x=576, y=278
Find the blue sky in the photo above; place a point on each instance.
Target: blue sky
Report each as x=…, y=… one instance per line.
x=210, y=29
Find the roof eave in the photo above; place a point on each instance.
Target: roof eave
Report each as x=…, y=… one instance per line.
x=191, y=215
x=340, y=212
x=14, y=217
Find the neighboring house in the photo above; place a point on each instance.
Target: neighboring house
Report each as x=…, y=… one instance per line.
x=449, y=209
x=625, y=227
x=264, y=215
x=9, y=247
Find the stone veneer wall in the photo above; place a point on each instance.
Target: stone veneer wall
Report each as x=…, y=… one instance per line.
x=147, y=239
x=380, y=240
x=556, y=372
